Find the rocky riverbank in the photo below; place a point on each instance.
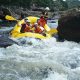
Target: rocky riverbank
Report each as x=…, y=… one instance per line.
x=17, y=11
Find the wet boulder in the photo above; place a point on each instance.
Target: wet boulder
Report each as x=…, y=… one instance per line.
x=5, y=41
x=2, y=16
x=69, y=27
x=3, y=12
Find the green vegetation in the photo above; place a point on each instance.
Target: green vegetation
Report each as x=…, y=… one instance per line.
x=52, y=4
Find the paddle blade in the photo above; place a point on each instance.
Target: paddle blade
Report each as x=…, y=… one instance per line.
x=52, y=31
x=9, y=17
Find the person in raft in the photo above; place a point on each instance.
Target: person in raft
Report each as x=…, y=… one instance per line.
x=21, y=16
x=37, y=28
x=44, y=13
x=42, y=21
x=25, y=27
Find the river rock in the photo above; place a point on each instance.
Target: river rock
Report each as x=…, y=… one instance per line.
x=69, y=27
x=5, y=41
x=3, y=12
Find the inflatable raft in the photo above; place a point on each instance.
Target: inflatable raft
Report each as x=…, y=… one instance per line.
x=15, y=33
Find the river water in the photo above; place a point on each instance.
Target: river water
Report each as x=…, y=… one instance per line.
x=36, y=59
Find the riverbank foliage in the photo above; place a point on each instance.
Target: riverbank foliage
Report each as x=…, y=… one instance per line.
x=52, y=4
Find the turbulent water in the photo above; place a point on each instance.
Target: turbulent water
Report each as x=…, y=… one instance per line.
x=36, y=59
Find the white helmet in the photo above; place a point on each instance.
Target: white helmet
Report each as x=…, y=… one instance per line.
x=47, y=8
x=26, y=20
x=36, y=23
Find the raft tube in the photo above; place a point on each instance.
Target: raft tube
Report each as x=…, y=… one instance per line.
x=16, y=31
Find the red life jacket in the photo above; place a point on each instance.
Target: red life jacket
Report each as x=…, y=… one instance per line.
x=39, y=29
x=42, y=21
x=25, y=28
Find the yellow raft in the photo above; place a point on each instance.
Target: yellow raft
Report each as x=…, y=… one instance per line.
x=15, y=33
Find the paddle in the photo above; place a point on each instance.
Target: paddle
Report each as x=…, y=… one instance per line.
x=52, y=31
x=10, y=18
